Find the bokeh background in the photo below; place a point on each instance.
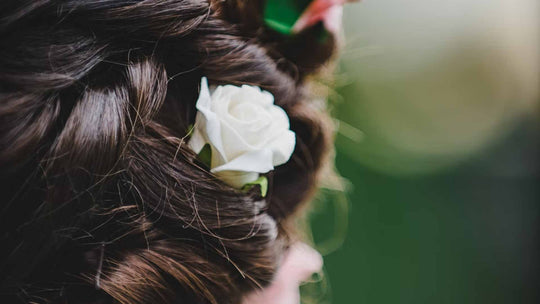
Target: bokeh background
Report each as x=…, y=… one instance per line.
x=437, y=108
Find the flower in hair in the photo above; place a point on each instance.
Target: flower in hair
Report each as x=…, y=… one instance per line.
x=245, y=132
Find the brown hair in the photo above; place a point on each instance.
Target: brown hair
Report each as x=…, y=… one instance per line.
x=102, y=200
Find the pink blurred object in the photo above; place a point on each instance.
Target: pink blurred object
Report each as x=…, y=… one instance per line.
x=300, y=262
x=329, y=12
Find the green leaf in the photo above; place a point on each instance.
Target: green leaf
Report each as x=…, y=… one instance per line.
x=205, y=156
x=281, y=15
x=262, y=182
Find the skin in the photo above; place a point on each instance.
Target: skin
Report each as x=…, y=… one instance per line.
x=300, y=262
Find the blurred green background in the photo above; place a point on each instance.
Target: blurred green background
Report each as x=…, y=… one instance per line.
x=436, y=104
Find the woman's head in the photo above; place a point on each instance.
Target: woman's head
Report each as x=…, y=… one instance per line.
x=103, y=200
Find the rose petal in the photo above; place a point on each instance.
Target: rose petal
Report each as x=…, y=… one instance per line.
x=197, y=140
x=208, y=122
x=259, y=161
x=247, y=92
x=236, y=144
x=283, y=148
x=248, y=116
x=222, y=97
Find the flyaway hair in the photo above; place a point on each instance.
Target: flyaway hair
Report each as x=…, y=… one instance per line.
x=102, y=200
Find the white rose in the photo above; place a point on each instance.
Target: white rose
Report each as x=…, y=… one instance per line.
x=247, y=133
